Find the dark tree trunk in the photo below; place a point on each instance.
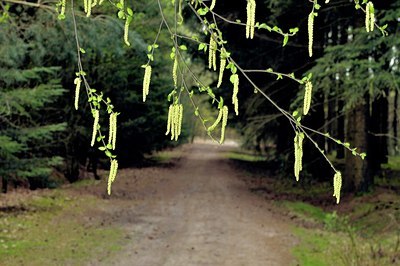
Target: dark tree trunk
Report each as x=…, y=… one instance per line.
x=378, y=146
x=395, y=121
x=357, y=175
x=4, y=185
x=340, y=129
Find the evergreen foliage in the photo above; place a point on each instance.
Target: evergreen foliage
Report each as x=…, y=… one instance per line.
x=28, y=130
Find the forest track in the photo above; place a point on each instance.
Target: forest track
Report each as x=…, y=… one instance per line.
x=198, y=212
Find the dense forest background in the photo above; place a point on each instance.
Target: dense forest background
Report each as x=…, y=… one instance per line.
x=355, y=74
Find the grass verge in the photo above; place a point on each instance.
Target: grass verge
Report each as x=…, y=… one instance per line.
x=52, y=229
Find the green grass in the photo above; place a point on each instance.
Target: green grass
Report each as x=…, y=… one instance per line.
x=393, y=163
x=315, y=248
x=305, y=210
x=360, y=238
x=49, y=230
x=241, y=156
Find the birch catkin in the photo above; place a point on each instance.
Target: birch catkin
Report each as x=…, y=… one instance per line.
x=235, y=100
x=307, y=97
x=175, y=72
x=112, y=175
x=175, y=118
x=169, y=122
x=337, y=186
x=96, y=115
x=298, y=154
x=146, y=81
x=310, y=33
x=222, y=66
x=126, y=32
x=77, y=82
x=369, y=17
x=251, y=18
x=225, y=112
x=212, y=53
x=212, y=4
x=112, y=131
x=213, y=126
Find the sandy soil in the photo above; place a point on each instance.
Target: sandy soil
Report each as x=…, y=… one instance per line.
x=197, y=212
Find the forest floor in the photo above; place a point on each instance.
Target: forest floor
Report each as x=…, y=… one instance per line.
x=198, y=204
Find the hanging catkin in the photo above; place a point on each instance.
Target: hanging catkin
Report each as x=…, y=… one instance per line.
x=175, y=72
x=62, y=12
x=77, y=82
x=224, y=123
x=298, y=154
x=212, y=53
x=251, y=18
x=89, y=8
x=212, y=4
x=112, y=175
x=369, y=17
x=221, y=66
x=307, y=97
x=146, y=81
x=337, y=186
x=310, y=33
x=85, y=5
x=169, y=122
x=213, y=126
x=175, y=118
x=96, y=115
x=112, y=131
x=126, y=32
x=235, y=101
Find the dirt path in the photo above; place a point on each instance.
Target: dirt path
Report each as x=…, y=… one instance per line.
x=197, y=213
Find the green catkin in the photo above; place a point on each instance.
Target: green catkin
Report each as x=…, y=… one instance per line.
x=180, y=118
x=175, y=72
x=337, y=186
x=89, y=8
x=85, y=5
x=235, y=100
x=96, y=115
x=221, y=67
x=225, y=112
x=146, y=82
x=114, y=139
x=112, y=132
x=101, y=2
x=251, y=18
x=94, y=3
x=213, y=126
x=298, y=154
x=367, y=17
x=212, y=4
x=77, y=82
x=169, y=123
x=212, y=54
x=126, y=32
x=110, y=128
x=112, y=175
x=307, y=97
x=63, y=4
x=310, y=33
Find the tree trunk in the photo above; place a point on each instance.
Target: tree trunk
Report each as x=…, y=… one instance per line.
x=357, y=175
x=4, y=184
x=340, y=130
x=378, y=146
